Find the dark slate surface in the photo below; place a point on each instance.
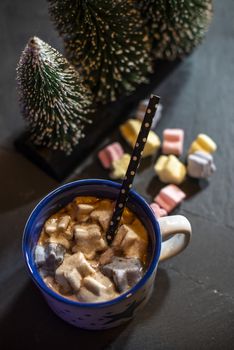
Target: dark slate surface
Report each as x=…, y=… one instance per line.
x=192, y=306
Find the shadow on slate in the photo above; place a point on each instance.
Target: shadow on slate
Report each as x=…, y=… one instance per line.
x=58, y=165
x=18, y=187
x=30, y=315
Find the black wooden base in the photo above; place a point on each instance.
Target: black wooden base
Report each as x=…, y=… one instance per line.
x=57, y=164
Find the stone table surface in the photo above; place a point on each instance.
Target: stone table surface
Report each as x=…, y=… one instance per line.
x=192, y=306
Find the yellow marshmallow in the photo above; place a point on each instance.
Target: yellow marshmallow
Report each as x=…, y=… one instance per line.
x=130, y=130
x=161, y=162
x=203, y=143
x=170, y=169
x=119, y=166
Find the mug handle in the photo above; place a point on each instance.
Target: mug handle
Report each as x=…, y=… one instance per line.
x=176, y=233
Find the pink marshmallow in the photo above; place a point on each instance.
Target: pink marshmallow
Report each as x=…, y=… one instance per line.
x=169, y=197
x=173, y=141
x=175, y=148
x=159, y=212
x=110, y=153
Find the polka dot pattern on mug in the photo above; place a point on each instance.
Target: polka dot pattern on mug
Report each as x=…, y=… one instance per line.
x=132, y=167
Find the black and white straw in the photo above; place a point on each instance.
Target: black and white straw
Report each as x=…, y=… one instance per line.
x=132, y=167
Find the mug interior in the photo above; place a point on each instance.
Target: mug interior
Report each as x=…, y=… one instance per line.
x=59, y=198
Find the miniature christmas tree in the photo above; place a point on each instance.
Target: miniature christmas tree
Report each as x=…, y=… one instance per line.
x=176, y=26
x=107, y=41
x=53, y=99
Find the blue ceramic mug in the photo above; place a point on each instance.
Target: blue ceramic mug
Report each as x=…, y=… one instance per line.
x=174, y=231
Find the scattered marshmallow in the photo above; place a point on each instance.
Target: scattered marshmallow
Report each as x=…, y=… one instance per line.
x=124, y=272
x=170, y=169
x=200, y=165
x=173, y=141
x=203, y=143
x=142, y=109
x=158, y=211
x=130, y=130
x=169, y=197
x=119, y=167
x=110, y=153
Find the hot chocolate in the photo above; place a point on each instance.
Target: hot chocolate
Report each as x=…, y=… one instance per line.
x=74, y=259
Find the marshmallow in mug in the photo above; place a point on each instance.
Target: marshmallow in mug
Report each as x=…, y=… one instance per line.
x=125, y=272
x=140, y=113
x=200, y=165
x=130, y=130
x=110, y=153
x=49, y=256
x=170, y=197
x=173, y=141
x=170, y=169
x=87, y=269
x=203, y=143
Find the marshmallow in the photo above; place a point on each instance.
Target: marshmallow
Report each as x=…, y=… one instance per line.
x=119, y=167
x=102, y=215
x=203, y=143
x=88, y=240
x=93, y=285
x=200, y=165
x=82, y=211
x=140, y=114
x=74, y=279
x=173, y=141
x=96, y=288
x=106, y=257
x=65, y=275
x=159, y=212
x=129, y=242
x=59, y=239
x=110, y=153
x=56, y=225
x=170, y=169
x=51, y=226
x=49, y=256
x=169, y=197
x=124, y=272
x=63, y=223
x=39, y=255
x=130, y=130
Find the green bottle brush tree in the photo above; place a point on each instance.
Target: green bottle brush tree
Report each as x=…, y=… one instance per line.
x=107, y=41
x=53, y=99
x=176, y=27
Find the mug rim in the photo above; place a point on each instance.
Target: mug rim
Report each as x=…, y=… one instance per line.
x=33, y=271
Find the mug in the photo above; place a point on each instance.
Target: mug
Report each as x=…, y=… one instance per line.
x=168, y=236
